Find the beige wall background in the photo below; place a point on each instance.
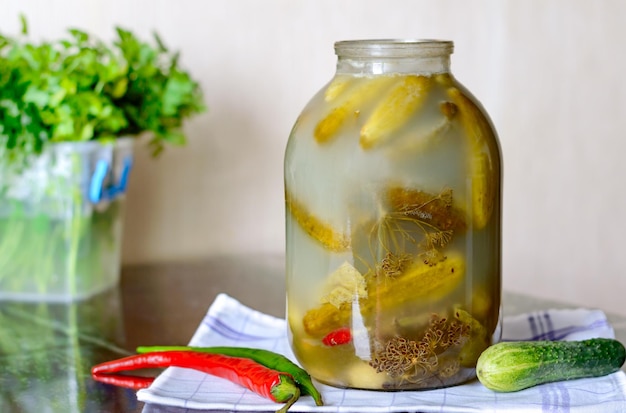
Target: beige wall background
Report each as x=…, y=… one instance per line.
x=550, y=73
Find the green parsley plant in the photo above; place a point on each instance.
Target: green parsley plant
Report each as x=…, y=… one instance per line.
x=80, y=89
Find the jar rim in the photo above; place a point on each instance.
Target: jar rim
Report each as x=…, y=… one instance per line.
x=393, y=48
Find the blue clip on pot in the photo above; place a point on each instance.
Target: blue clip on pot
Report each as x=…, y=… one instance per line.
x=97, y=191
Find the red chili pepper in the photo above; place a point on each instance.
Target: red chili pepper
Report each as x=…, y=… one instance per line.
x=338, y=337
x=274, y=385
x=129, y=382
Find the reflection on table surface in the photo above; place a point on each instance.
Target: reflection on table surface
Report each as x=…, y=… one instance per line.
x=47, y=349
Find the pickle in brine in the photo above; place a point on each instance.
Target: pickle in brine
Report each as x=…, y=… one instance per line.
x=478, y=339
x=420, y=282
x=337, y=86
x=321, y=320
x=483, y=150
x=419, y=139
x=352, y=101
x=395, y=110
x=319, y=230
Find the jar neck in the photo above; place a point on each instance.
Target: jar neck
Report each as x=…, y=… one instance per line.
x=375, y=57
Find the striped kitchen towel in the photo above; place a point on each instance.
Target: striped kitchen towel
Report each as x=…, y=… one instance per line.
x=230, y=323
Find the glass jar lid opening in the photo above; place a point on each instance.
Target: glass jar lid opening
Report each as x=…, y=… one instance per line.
x=393, y=48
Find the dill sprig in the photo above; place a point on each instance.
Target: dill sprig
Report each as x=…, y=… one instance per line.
x=393, y=265
x=416, y=360
x=417, y=224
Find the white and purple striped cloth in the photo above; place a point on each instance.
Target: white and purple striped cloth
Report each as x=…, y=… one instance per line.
x=229, y=323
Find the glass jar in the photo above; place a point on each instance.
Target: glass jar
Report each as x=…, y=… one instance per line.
x=393, y=222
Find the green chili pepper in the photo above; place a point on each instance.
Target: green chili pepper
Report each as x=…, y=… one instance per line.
x=267, y=358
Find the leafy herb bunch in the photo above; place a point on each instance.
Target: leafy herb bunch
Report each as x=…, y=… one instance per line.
x=80, y=89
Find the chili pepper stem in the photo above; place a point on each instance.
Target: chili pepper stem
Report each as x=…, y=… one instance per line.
x=288, y=403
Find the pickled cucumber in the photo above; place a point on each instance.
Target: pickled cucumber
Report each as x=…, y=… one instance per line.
x=320, y=231
x=420, y=282
x=420, y=139
x=478, y=339
x=395, y=110
x=321, y=320
x=362, y=93
x=481, y=140
x=336, y=87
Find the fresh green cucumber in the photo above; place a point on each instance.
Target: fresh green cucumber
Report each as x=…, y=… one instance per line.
x=513, y=366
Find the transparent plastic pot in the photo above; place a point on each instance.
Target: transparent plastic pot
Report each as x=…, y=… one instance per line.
x=61, y=218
